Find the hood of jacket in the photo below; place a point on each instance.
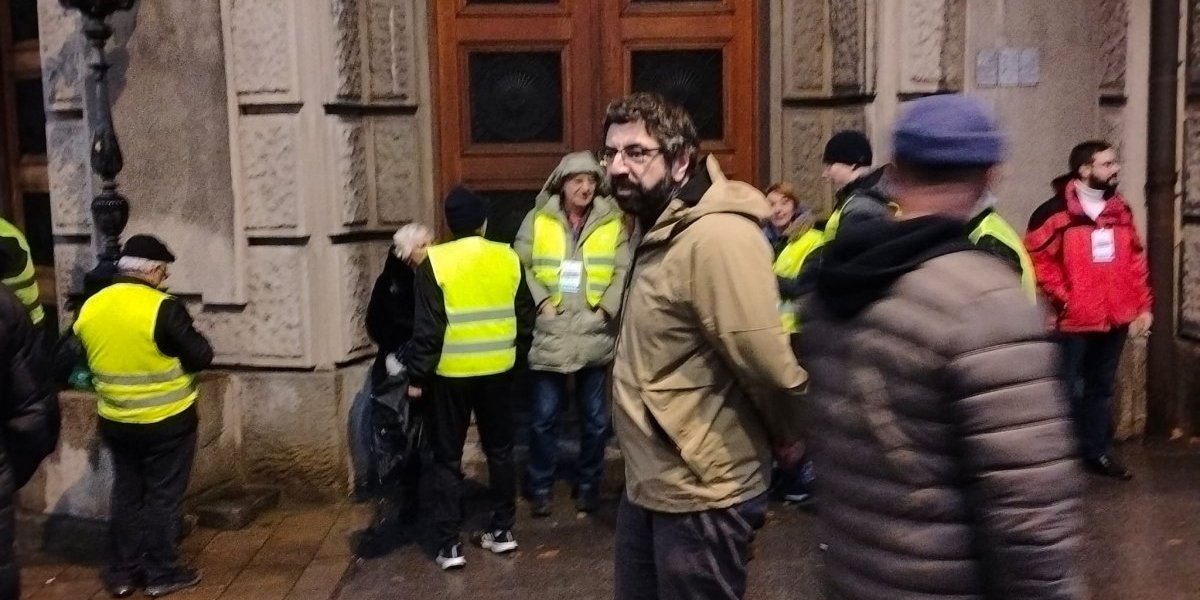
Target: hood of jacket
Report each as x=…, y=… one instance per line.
x=859, y=265
x=873, y=183
x=707, y=192
x=571, y=164
x=549, y=200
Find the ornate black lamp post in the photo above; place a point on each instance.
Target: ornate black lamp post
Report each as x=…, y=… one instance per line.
x=110, y=210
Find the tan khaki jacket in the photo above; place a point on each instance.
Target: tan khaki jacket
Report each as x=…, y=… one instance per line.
x=704, y=379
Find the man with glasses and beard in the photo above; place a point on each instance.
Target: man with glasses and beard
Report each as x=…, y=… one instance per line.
x=1091, y=268
x=704, y=381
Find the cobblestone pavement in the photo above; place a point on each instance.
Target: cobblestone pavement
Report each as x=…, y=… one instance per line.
x=1142, y=543
x=287, y=554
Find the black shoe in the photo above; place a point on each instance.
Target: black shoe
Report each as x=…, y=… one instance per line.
x=451, y=557
x=541, y=505
x=374, y=542
x=587, y=499
x=120, y=590
x=122, y=585
x=179, y=579
x=1108, y=466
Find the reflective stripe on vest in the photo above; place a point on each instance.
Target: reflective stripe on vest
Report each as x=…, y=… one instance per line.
x=994, y=225
x=479, y=281
x=599, y=250
x=24, y=284
x=788, y=265
x=136, y=382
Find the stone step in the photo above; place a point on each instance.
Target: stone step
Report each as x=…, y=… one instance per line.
x=235, y=506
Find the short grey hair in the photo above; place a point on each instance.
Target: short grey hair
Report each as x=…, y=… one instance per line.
x=137, y=266
x=406, y=239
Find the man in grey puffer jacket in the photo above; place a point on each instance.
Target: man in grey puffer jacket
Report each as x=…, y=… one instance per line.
x=575, y=250
x=938, y=423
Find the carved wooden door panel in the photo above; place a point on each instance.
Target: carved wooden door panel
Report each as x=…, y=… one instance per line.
x=702, y=55
x=519, y=83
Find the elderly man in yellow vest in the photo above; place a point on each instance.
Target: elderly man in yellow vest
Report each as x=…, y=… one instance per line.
x=463, y=347
x=143, y=350
x=19, y=274
x=575, y=251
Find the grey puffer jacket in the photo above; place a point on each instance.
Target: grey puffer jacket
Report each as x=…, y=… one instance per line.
x=946, y=463
x=578, y=336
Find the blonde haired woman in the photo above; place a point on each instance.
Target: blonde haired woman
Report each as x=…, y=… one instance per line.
x=390, y=326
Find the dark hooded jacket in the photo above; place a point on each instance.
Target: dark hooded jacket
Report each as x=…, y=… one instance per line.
x=937, y=423
x=861, y=200
x=29, y=418
x=390, y=312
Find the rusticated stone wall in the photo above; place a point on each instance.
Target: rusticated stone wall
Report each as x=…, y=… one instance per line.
x=846, y=65
x=276, y=145
x=1189, y=237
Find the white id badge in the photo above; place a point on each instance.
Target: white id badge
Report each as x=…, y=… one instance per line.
x=570, y=276
x=1104, y=246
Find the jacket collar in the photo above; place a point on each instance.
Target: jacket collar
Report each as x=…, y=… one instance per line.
x=708, y=191
x=1115, y=211
x=132, y=280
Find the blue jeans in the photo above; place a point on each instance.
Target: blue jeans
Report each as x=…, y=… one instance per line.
x=549, y=396
x=1090, y=362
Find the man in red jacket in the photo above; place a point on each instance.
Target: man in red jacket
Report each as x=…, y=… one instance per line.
x=1092, y=270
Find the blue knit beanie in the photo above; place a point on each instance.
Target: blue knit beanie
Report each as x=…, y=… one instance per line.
x=952, y=130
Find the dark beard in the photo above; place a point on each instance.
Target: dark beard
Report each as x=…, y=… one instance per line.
x=646, y=205
x=1098, y=184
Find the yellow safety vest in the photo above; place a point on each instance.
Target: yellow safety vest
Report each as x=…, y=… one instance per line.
x=788, y=265
x=479, y=280
x=24, y=284
x=994, y=225
x=599, y=249
x=136, y=382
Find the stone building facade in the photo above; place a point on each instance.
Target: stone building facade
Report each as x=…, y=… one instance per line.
x=277, y=144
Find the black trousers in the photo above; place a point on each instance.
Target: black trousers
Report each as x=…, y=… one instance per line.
x=10, y=574
x=448, y=417
x=683, y=556
x=1090, y=362
x=150, y=476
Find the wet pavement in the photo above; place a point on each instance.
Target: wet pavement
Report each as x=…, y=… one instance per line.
x=286, y=554
x=1142, y=542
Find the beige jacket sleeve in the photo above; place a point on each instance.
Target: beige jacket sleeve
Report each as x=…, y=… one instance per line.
x=611, y=301
x=734, y=295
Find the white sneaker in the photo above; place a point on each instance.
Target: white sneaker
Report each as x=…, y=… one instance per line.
x=499, y=541
x=451, y=557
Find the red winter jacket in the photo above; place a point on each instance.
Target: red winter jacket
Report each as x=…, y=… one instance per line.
x=1088, y=295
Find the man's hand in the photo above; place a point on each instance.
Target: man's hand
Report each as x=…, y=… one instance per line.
x=414, y=392
x=548, y=309
x=1141, y=325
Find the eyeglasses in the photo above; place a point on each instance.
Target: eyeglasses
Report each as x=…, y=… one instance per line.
x=634, y=155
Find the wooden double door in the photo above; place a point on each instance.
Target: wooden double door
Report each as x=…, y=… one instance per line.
x=520, y=83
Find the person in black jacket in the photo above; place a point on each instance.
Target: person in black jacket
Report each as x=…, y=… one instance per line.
x=29, y=421
x=390, y=326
